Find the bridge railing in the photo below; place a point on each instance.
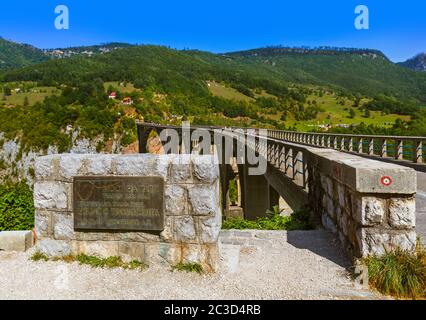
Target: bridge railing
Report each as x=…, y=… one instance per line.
x=387, y=147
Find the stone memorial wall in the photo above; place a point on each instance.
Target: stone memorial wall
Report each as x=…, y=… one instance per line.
x=154, y=208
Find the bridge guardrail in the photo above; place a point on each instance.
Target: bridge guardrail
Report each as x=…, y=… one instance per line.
x=386, y=147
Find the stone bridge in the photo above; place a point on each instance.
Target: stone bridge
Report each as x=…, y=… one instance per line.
x=369, y=204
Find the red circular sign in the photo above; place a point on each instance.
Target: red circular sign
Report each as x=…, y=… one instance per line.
x=386, y=181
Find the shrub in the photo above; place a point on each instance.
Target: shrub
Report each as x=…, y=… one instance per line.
x=110, y=262
x=401, y=273
x=16, y=207
x=37, y=256
x=188, y=267
x=93, y=261
x=299, y=220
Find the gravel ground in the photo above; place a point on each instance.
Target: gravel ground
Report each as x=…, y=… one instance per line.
x=294, y=265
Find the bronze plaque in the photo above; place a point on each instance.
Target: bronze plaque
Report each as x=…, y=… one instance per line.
x=118, y=203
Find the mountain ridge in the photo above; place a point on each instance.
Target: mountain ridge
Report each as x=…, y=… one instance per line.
x=417, y=63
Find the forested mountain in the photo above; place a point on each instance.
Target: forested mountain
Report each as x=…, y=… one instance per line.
x=284, y=88
x=418, y=63
x=353, y=71
x=14, y=55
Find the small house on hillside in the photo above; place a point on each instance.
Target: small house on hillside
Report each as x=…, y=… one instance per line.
x=112, y=95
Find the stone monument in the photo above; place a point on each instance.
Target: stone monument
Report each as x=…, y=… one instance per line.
x=161, y=209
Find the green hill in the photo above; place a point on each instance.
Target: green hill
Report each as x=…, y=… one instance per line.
x=15, y=55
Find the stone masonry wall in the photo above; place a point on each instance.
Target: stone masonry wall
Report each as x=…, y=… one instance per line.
x=369, y=204
x=192, y=208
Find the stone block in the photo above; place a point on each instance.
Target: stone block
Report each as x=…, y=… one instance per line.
x=206, y=169
x=168, y=252
x=96, y=236
x=328, y=223
x=368, y=211
x=70, y=165
x=43, y=223
x=102, y=249
x=52, y=195
x=364, y=175
x=184, y=229
x=180, y=169
x=341, y=193
x=16, y=240
x=204, y=199
x=129, y=251
x=46, y=168
x=98, y=165
x=404, y=240
x=209, y=229
x=376, y=242
x=147, y=165
x=402, y=213
x=175, y=200
x=330, y=208
x=139, y=236
x=205, y=255
x=63, y=226
x=54, y=248
x=167, y=234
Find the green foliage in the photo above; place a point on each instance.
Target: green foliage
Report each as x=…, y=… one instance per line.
x=7, y=91
x=38, y=256
x=233, y=192
x=243, y=89
x=401, y=273
x=15, y=55
x=16, y=207
x=299, y=220
x=109, y=262
x=367, y=113
x=390, y=104
x=188, y=267
x=93, y=261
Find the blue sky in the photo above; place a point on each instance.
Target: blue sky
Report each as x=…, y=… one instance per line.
x=398, y=28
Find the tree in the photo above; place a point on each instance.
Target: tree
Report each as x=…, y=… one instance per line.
x=7, y=91
x=352, y=113
x=357, y=100
x=26, y=102
x=367, y=113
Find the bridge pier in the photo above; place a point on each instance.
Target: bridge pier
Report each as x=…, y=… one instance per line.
x=258, y=195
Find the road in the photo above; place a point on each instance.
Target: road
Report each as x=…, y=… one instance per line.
x=421, y=206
